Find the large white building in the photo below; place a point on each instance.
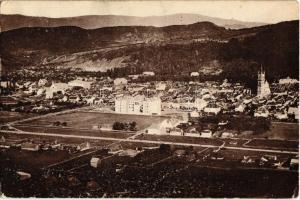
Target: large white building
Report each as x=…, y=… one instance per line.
x=80, y=83
x=138, y=105
x=152, y=106
x=263, y=88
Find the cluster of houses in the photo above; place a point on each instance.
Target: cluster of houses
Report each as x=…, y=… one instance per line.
x=160, y=97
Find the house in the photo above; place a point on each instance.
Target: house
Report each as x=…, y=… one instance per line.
x=261, y=112
x=23, y=175
x=30, y=146
x=288, y=80
x=59, y=87
x=129, y=152
x=95, y=162
x=206, y=133
x=120, y=81
x=200, y=104
x=195, y=74
x=281, y=116
x=40, y=92
x=194, y=114
x=163, y=128
x=80, y=83
x=192, y=133
x=161, y=86
x=42, y=82
x=227, y=135
x=294, y=111
x=212, y=110
x=240, y=108
x=176, y=132
x=148, y=73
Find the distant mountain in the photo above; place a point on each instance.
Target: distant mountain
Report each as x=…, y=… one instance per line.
x=168, y=51
x=9, y=22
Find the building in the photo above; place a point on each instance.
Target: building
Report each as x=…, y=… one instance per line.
x=163, y=128
x=152, y=106
x=138, y=105
x=288, y=80
x=80, y=83
x=121, y=105
x=200, y=104
x=148, y=73
x=120, y=81
x=263, y=88
x=294, y=111
x=161, y=86
x=195, y=74
x=56, y=87
x=212, y=110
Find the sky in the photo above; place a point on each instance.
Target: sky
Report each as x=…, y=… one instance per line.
x=254, y=11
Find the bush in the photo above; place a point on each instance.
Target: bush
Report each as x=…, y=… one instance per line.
x=118, y=126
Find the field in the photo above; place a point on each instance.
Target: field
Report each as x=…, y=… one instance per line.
x=86, y=120
x=283, y=131
x=176, y=177
x=274, y=144
x=6, y=117
x=30, y=160
x=72, y=131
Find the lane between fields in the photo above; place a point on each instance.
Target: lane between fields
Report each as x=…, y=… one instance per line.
x=147, y=141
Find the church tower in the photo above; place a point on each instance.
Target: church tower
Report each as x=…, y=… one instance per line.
x=263, y=88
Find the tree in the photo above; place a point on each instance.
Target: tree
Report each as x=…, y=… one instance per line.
x=132, y=126
x=118, y=126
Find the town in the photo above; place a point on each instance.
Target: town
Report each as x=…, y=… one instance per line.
x=87, y=124
x=149, y=99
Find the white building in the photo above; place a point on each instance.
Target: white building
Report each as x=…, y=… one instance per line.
x=263, y=88
x=212, y=110
x=152, y=106
x=161, y=86
x=148, y=73
x=59, y=87
x=80, y=83
x=195, y=74
x=240, y=108
x=120, y=81
x=42, y=82
x=288, y=80
x=138, y=105
x=200, y=104
x=261, y=112
x=164, y=127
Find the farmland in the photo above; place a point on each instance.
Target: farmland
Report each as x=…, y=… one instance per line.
x=86, y=120
x=284, y=131
x=6, y=117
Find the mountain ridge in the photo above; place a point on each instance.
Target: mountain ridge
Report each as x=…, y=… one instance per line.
x=9, y=22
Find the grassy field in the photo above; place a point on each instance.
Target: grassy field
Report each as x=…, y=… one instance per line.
x=29, y=160
x=89, y=119
x=6, y=117
x=283, y=131
x=274, y=144
x=73, y=131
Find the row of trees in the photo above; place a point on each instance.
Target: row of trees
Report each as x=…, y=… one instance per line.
x=127, y=126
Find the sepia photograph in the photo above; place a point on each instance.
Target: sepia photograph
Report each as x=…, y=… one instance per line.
x=149, y=99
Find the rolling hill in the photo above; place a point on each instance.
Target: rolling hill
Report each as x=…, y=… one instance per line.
x=169, y=50
x=9, y=22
